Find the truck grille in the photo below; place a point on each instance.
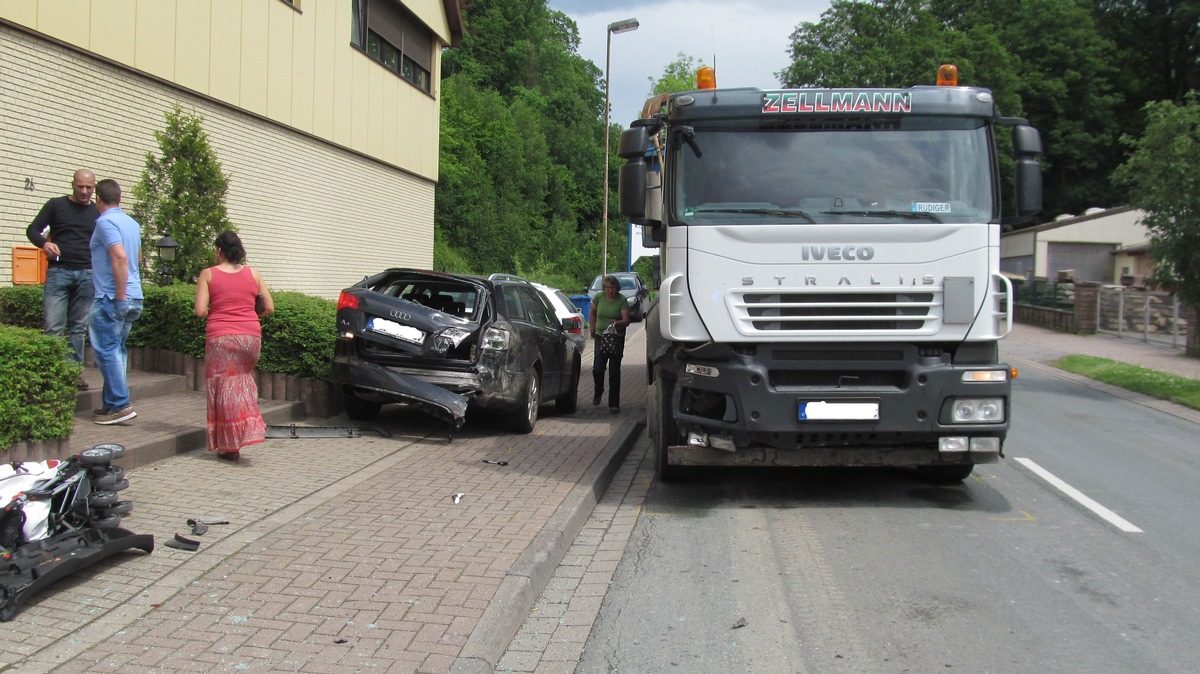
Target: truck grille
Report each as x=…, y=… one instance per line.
x=877, y=310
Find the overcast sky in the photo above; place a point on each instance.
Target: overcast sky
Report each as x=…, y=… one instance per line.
x=748, y=37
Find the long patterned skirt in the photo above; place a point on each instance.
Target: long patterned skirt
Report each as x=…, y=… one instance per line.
x=233, y=417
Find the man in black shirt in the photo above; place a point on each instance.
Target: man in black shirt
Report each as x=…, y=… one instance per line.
x=63, y=230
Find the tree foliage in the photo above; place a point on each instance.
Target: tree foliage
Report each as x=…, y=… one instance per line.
x=1046, y=60
x=182, y=194
x=522, y=171
x=1163, y=176
x=521, y=165
x=679, y=75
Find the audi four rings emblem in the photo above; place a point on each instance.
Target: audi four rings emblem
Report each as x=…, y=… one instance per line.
x=400, y=314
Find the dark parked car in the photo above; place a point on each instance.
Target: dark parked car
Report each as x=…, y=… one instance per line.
x=443, y=342
x=632, y=287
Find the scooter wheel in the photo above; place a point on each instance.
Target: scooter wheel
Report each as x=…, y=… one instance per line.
x=105, y=478
x=96, y=456
x=117, y=450
x=102, y=499
x=110, y=521
x=119, y=485
x=120, y=508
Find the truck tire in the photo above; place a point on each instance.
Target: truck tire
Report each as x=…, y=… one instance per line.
x=946, y=474
x=662, y=429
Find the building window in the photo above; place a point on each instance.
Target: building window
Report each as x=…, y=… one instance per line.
x=391, y=35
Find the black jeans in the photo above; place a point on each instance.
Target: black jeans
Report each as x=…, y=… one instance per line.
x=613, y=363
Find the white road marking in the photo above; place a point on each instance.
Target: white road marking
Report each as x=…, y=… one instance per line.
x=1108, y=515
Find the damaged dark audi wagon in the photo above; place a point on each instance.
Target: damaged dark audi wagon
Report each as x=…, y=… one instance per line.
x=443, y=342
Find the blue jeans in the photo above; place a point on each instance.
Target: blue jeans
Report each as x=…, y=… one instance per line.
x=66, y=301
x=109, y=326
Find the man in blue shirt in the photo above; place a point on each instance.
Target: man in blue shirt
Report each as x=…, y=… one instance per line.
x=116, y=247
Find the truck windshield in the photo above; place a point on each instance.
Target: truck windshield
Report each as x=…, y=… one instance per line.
x=902, y=170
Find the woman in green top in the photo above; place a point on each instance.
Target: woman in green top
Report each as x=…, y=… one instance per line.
x=608, y=308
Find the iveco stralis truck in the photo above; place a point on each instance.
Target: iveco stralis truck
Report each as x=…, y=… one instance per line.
x=830, y=287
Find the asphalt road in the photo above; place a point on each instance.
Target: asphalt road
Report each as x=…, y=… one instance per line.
x=1076, y=553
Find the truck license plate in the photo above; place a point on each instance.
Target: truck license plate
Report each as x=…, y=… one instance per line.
x=839, y=410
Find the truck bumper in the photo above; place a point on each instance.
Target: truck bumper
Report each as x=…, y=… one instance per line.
x=813, y=405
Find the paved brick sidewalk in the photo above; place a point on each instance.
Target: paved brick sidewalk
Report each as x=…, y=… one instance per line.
x=341, y=554
x=349, y=554
x=1044, y=346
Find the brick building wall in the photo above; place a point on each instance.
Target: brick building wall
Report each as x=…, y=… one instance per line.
x=315, y=217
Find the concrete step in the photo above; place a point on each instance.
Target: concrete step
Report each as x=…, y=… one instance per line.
x=166, y=425
x=170, y=419
x=142, y=385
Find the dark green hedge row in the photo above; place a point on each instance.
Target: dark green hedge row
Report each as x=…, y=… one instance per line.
x=37, y=385
x=297, y=339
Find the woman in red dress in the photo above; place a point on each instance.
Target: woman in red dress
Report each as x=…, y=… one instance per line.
x=226, y=296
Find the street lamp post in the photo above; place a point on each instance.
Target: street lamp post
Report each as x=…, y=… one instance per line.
x=166, y=254
x=623, y=26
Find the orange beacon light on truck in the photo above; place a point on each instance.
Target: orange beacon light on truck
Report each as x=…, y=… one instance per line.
x=947, y=76
x=706, y=77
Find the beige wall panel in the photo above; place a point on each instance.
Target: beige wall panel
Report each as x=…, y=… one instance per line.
x=346, y=63
x=393, y=124
x=193, y=45
x=297, y=68
x=21, y=12
x=66, y=20
x=365, y=72
x=154, y=37
x=112, y=30
x=315, y=218
x=254, y=27
x=304, y=35
x=432, y=14
x=225, y=58
x=380, y=80
x=280, y=56
x=325, y=52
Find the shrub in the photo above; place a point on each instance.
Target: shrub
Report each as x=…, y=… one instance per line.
x=37, y=386
x=37, y=383
x=21, y=306
x=168, y=321
x=298, y=338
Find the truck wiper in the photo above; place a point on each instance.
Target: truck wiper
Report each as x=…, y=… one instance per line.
x=908, y=215
x=781, y=212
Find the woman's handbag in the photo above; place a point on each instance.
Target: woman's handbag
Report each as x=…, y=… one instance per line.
x=259, y=305
x=611, y=343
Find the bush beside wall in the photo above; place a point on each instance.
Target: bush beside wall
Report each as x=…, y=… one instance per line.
x=37, y=386
x=36, y=380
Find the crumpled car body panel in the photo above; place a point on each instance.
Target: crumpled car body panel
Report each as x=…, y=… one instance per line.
x=419, y=337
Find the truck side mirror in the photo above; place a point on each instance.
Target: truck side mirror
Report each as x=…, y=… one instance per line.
x=631, y=186
x=1027, y=144
x=633, y=142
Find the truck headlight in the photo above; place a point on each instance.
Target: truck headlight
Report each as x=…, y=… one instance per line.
x=978, y=411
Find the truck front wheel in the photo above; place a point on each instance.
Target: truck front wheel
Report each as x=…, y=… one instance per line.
x=662, y=429
x=946, y=474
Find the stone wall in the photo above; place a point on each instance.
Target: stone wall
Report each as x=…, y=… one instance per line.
x=318, y=396
x=1116, y=309
x=1140, y=312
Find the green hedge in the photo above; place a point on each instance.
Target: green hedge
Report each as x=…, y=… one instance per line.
x=297, y=340
x=37, y=386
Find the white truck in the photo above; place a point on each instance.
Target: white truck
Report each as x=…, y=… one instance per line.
x=830, y=288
